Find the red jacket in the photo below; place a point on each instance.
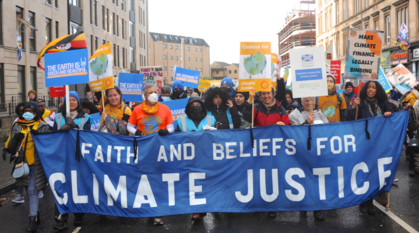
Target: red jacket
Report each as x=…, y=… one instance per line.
x=263, y=117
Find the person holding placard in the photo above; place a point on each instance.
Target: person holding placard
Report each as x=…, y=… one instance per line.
x=371, y=102
x=116, y=114
x=333, y=106
x=220, y=106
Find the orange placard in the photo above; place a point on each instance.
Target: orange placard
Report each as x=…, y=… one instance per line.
x=249, y=48
x=101, y=84
x=246, y=85
x=100, y=69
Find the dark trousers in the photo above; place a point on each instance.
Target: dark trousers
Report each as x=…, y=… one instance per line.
x=411, y=135
x=64, y=217
x=411, y=160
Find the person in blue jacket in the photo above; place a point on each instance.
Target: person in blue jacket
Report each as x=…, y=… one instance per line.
x=228, y=86
x=196, y=117
x=178, y=91
x=78, y=119
x=219, y=105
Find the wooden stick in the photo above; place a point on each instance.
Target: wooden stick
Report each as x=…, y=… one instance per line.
x=253, y=111
x=103, y=102
x=359, y=90
x=67, y=102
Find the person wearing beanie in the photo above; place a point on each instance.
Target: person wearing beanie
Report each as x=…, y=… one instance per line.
x=32, y=95
x=22, y=131
x=165, y=93
x=227, y=86
x=333, y=105
x=178, y=91
x=240, y=99
x=349, y=94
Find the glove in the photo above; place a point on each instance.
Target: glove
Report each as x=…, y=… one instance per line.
x=65, y=128
x=12, y=158
x=252, y=94
x=34, y=132
x=138, y=133
x=4, y=154
x=280, y=123
x=69, y=121
x=163, y=132
x=19, y=136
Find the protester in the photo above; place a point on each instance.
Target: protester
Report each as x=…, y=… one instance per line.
x=333, y=106
x=178, y=91
x=349, y=94
x=219, y=105
x=19, y=111
x=228, y=86
x=165, y=93
x=89, y=107
x=78, y=119
x=371, y=102
x=22, y=132
x=32, y=95
x=46, y=115
x=412, y=96
x=116, y=113
x=289, y=103
x=158, y=117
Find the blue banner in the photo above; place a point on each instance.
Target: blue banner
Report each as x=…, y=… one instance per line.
x=66, y=68
x=177, y=107
x=383, y=80
x=189, y=77
x=95, y=121
x=131, y=86
x=219, y=171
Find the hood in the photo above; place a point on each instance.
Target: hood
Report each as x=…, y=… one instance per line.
x=34, y=106
x=211, y=93
x=192, y=100
x=229, y=82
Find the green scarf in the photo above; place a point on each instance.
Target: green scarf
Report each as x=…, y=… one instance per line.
x=377, y=108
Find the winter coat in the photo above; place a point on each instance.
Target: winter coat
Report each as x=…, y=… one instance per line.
x=220, y=112
x=192, y=121
x=263, y=116
x=40, y=178
x=78, y=120
x=348, y=98
x=363, y=111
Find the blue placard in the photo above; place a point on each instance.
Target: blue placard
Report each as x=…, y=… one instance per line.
x=223, y=170
x=189, y=77
x=383, y=80
x=177, y=107
x=95, y=121
x=66, y=68
x=131, y=86
x=308, y=74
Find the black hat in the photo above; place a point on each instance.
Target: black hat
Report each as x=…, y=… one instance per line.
x=34, y=106
x=347, y=84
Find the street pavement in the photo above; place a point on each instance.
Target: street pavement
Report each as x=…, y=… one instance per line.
x=404, y=199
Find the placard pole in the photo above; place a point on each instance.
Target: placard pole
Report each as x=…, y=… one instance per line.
x=103, y=102
x=67, y=102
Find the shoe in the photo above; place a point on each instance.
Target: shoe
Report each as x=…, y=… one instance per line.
x=363, y=208
x=370, y=207
x=38, y=219
x=32, y=226
x=158, y=221
x=60, y=225
x=382, y=198
x=318, y=215
x=412, y=173
x=40, y=194
x=271, y=215
x=196, y=217
x=19, y=199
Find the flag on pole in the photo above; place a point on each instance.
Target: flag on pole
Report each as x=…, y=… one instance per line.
x=402, y=37
x=64, y=43
x=287, y=73
x=19, y=46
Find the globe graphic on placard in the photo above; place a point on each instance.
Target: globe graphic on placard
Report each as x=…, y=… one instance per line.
x=255, y=64
x=99, y=65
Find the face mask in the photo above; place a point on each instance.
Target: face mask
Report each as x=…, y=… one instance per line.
x=28, y=116
x=178, y=94
x=330, y=86
x=226, y=89
x=165, y=98
x=152, y=98
x=195, y=110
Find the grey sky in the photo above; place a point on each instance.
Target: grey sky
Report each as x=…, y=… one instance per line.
x=222, y=23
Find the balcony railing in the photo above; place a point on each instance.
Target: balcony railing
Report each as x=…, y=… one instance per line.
x=8, y=108
x=305, y=26
x=291, y=45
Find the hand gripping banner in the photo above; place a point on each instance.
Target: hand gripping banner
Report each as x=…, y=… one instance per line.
x=289, y=168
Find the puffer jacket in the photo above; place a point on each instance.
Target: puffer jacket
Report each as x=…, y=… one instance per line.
x=40, y=178
x=263, y=116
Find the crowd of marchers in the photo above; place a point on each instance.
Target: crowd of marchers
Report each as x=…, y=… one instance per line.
x=218, y=108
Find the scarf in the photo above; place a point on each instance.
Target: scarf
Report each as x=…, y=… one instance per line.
x=73, y=114
x=239, y=107
x=197, y=117
x=369, y=101
x=269, y=106
x=117, y=113
x=150, y=110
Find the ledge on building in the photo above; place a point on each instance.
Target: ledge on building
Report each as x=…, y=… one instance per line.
x=345, y=29
x=356, y=23
x=399, y=2
x=366, y=18
x=375, y=14
x=385, y=8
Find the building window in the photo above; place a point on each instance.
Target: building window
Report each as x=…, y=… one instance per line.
x=96, y=43
x=176, y=47
x=139, y=15
x=47, y=30
x=91, y=12
x=103, y=17
x=200, y=59
x=229, y=71
x=114, y=24
x=75, y=3
x=337, y=13
x=143, y=17
x=114, y=55
x=103, y=42
x=171, y=57
x=345, y=9
x=216, y=72
x=200, y=49
x=164, y=68
x=367, y=26
x=123, y=28
x=402, y=17
x=118, y=56
x=21, y=89
x=91, y=45
x=131, y=29
x=33, y=78
x=187, y=48
x=122, y=5
x=49, y=2
x=1, y=37
x=107, y=20
x=132, y=55
x=140, y=39
x=177, y=57
x=164, y=56
x=196, y=59
x=171, y=79
x=189, y=59
x=32, y=40
x=337, y=46
x=171, y=46
x=376, y=24
x=116, y=2
x=117, y=26
x=131, y=4
x=2, y=81
x=387, y=32
x=366, y=4
x=123, y=54
x=345, y=43
x=164, y=46
x=171, y=68
x=195, y=49
x=73, y=27
x=57, y=29
x=358, y=6
x=235, y=71
x=19, y=13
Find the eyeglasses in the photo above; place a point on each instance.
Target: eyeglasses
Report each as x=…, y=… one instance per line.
x=155, y=92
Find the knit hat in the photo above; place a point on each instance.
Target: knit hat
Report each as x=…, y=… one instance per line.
x=178, y=84
x=73, y=94
x=330, y=75
x=32, y=91
x=229, y=82
x=34, y=106
x=347, y=84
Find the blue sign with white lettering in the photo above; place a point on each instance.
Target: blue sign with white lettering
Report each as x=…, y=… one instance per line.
x=383, y=80
x=177, y=107
x=95, y=121
x=223, y=170
x=308, y=74
x=66, y=68
x=131, y=86
x=189, y=77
